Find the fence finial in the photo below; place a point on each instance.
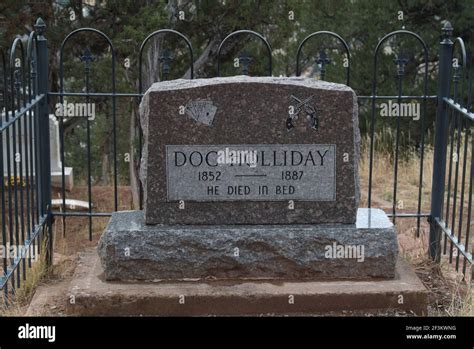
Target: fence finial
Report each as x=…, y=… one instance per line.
x=447, y=30
x=40, y=26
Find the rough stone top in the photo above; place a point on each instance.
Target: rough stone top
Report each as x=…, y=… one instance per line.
x=243, y=79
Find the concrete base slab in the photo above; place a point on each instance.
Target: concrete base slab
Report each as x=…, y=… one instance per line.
x=90, y=294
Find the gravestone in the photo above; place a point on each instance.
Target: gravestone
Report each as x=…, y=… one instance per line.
x=249, y=178
x=29, y=150
x=303, y=132
x=56, y=163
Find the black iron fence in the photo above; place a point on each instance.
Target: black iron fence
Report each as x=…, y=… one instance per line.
x=27, y=215
x=451, y=194
x=26, y=186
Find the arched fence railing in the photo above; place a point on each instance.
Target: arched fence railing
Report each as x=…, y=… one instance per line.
x=400, y=63
x=245, y=58
x=27, y=213
x=87, y=58
x=323, y=59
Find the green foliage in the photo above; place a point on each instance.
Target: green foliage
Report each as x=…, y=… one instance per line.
x=362, y=23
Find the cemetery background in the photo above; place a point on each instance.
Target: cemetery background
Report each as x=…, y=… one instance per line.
x=132, y=23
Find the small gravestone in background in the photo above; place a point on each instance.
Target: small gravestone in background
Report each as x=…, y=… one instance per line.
x=28, y=150
x=56, y=164
x=249, y=178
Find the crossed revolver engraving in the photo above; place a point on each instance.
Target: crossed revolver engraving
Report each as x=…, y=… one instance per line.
x=302, y=105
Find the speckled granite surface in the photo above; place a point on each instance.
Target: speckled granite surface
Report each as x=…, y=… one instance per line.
x=249, y=111
x=131, y=250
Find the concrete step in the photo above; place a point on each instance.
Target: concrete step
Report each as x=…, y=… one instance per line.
x=90, y=294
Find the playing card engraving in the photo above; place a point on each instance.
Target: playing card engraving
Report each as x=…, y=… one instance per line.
x=202, y=111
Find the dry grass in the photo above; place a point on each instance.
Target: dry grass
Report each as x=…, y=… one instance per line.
x=20, y=297
x=66, y=247
x=450, y=293
x=408, y=178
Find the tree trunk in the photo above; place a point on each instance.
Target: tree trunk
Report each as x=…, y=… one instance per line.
x=134, y=164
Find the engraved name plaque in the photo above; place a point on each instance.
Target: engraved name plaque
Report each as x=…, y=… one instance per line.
x=270, y=172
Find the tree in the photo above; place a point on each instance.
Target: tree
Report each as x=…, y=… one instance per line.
x=206, y=23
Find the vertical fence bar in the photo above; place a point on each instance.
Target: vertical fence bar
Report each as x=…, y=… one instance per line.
x=453, y=122
x=14, y=232
x=463, y=128
x=20, y=94
x=27, y=97
x=400, y=61
x=463, y=185
x=14, y=89
x=87, y=70
x=8, y=96
x=469, y=77
x=441, y=139
x=31, y=77
x=469, y=215
x=43, y=117
x=5, y=184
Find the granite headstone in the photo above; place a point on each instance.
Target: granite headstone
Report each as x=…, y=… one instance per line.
x=303, y=135
x=249, y=178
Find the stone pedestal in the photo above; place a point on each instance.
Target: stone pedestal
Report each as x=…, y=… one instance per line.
x=96, y=297
x=131, y=250
x=240, y=237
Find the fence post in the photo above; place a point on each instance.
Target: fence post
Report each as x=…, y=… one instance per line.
x=441, y=141
x=43, y=118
